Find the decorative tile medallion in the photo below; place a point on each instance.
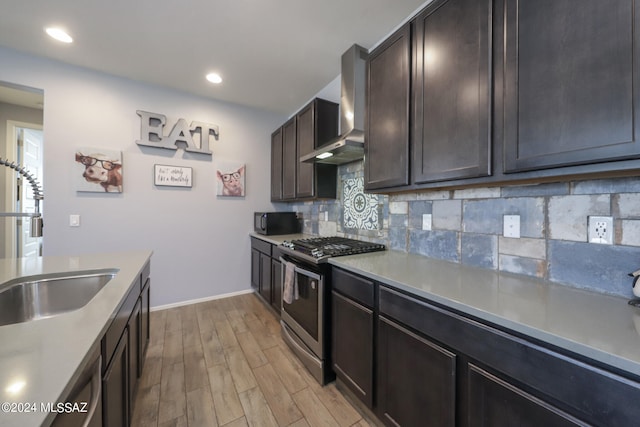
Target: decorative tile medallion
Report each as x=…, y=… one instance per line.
x=360, y=209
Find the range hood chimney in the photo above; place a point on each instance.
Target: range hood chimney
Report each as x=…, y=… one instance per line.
x=349, y=146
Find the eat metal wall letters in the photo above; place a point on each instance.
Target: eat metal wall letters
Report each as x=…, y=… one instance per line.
x=151, y=133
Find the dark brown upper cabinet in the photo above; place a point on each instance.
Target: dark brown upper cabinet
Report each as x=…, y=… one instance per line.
x=386, y=147
x=504, y=91
x=289, y=159
x=291, y=180
x=317, y=124
x=306, y=144
x=451, y=136
x=572, y=82
x=276, y=165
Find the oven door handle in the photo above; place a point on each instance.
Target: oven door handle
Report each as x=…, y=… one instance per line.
x=301, y=270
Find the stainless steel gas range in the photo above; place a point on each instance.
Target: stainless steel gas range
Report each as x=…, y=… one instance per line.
x=306, y=290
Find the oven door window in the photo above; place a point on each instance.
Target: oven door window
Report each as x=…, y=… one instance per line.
x=304, y=310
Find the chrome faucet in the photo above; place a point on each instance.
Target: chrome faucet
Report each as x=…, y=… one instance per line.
x=36, y=217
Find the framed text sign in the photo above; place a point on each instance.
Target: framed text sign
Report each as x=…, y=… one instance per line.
x=172, y=176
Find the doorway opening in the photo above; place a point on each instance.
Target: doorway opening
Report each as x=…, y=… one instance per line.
x=21, y=142
x=24, y=146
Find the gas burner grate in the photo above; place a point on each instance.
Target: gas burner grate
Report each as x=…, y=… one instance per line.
x=322, y=247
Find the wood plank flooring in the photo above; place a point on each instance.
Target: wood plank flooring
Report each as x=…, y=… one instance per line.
x=223, y=363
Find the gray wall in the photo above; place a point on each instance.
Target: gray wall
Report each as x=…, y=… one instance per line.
x=19, y=114
x=201, y=242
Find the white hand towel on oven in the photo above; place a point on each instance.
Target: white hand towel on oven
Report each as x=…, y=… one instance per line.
x=290, y=291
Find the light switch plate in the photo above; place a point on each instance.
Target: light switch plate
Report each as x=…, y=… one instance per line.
x=426, y=222
x=511, y=226
x=74, y=220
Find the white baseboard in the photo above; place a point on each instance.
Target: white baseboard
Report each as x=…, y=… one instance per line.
x=195, y=301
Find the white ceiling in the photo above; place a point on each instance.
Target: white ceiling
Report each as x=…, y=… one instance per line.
x=272, y=54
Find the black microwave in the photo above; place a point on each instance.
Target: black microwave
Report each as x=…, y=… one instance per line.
x=271, y=223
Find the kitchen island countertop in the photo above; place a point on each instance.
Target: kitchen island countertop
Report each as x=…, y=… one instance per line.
x=47, y=355
x=600, y=327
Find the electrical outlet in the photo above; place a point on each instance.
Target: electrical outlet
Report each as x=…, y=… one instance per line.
x=601, y=230
x=511, y=226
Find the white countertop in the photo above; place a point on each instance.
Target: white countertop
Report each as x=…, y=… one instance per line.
x=601, y=327
x=49, y=354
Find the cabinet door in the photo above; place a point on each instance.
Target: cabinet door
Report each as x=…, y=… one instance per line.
x=305, y=127
x=265, y=277
x=276, y=165
x=571, y=82
x=353, y=346
x=145, y=324
x=416, y=379
x=135, y=337
x=115, y=387
x=494, y=402
x=255, y=269
x=289, y=160
x=451, y=91
x=276, y=284
x=386, y=147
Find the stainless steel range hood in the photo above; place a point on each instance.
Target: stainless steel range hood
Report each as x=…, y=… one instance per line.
x=349, y=146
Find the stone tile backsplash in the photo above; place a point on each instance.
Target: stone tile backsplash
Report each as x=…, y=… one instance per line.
x=466, y=227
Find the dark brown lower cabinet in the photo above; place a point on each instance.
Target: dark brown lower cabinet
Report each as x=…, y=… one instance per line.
x=135, y=336
x=123, y=362
x=115, y=386
x=255, y=269
x=353, y=346
x=276, y=284
x=265, y=277
x=266, y=272
x=433, y=366
x=416, y=379
x=145, y=324
x=496, y=402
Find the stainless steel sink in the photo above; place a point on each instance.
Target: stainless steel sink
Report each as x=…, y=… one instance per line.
x=25, y=299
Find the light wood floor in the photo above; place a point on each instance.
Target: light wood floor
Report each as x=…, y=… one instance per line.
x=223, y=363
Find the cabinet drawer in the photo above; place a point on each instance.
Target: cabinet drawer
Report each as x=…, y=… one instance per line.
x=495, y=402
x=582, y=390
x=355, y=287
x=261, y=245
x=112, y=336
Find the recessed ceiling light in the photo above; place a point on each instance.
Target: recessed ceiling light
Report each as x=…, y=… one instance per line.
x=59, y=34
x=214, y=78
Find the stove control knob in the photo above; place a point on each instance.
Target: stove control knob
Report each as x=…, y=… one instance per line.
x=317, y=253
x=287, y=244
